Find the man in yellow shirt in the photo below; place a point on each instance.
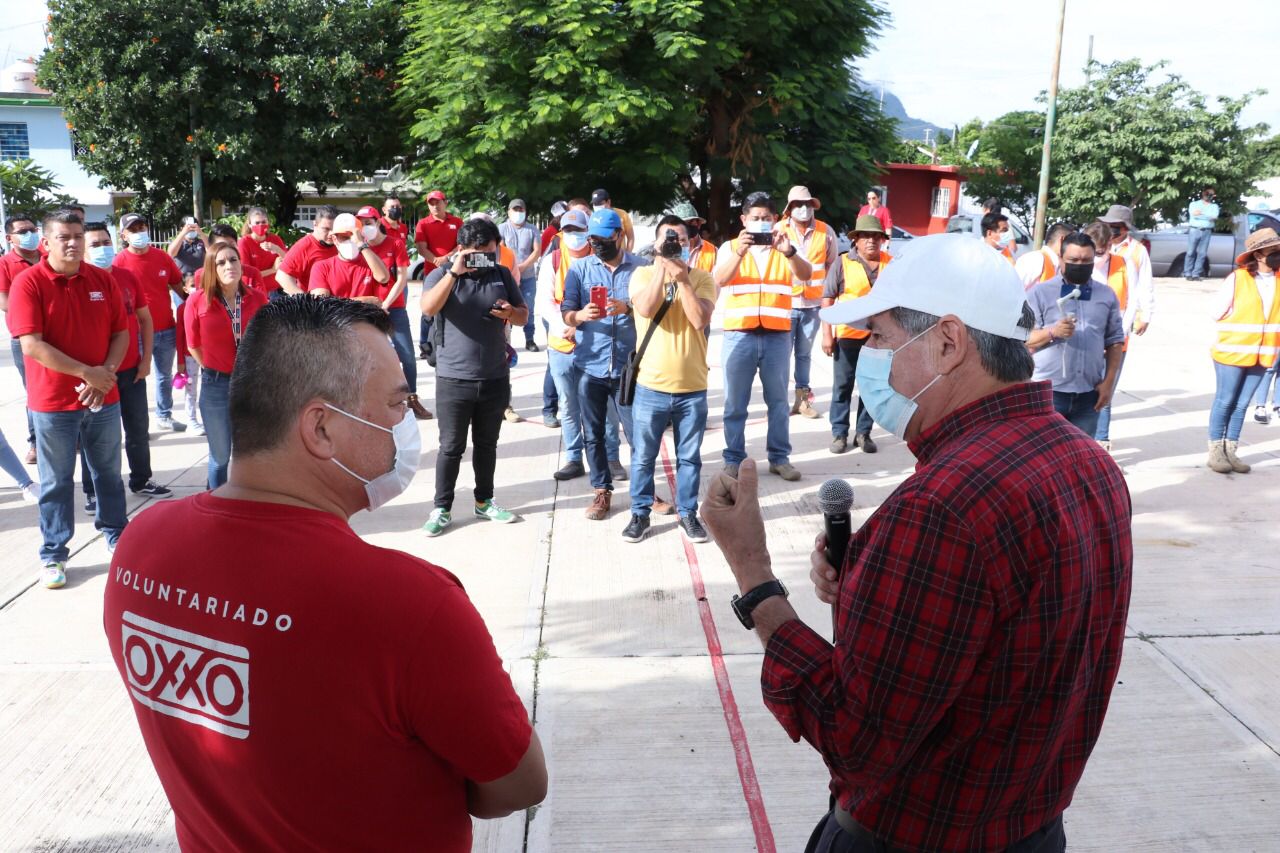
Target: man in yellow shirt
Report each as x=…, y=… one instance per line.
x=671, y=388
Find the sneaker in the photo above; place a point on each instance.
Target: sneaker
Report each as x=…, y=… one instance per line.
x=53, y=575
x=197, y=428
x=571, y=470
x=31, y=492
x=91, y=504
x=616, y=470
x=693, y=528
x=731, y=468
x=1261, y=415
x=637, y=529
x=786, y=471
x=152, y=489
x=551, y=422
x=511, y=417
x=600, y=505
x=1105, y=444
x=492, y=512
x=419, y=411
x=862, y=440
x=170, y=425
x=661, y=507
x=111, y=545
x=840, y=444
x=531, y=346
x=31, y=454
x=437, y=522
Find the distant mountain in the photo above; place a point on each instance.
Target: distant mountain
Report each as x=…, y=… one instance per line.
x=908, y=127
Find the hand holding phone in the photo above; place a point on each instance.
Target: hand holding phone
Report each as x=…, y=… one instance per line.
x=600, y=298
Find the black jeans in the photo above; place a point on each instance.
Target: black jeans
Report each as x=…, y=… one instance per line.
x=846, y=368
x=134, y=415
x=829, y=837
x=478, y=405
x=593, y=407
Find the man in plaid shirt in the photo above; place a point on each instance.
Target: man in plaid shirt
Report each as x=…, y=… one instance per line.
x=980, y=613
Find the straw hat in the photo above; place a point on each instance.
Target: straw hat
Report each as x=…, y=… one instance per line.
x=1263, y=238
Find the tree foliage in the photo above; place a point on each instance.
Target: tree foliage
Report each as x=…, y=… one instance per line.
x=1147, y=140
x=265, y=93
x=30, y=189
x=1006, y=164
x=695, y=99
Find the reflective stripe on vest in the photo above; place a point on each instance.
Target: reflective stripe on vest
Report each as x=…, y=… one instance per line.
x=856, y=284
x=816, y=254
x=560, y=261
x=758, y=300
x=1246, y=337
x=705, y=258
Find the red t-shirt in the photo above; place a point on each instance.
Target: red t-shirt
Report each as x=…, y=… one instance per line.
x=252, y=276
x=134, y=298
x=253, y=255
x=395, y=257
x=287, y=702
x=77, y=315
x=440, y=235
x=302, y=256
x=155, y=270
x=11, y=265
x=396, y=229
x=348, y=279
x=548, y=234
x=208, y=325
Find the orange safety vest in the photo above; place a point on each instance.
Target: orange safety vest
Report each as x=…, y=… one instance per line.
x=561, y=259
x=1050, y=269
x=756, y=300
x=705, y=258
x=1007, y=251
x=1246, y=337
x=507, y=258
x=816, y=255
x=1118, y=280
x=856, y=284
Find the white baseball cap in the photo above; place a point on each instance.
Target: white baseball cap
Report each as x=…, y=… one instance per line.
x=944, y=274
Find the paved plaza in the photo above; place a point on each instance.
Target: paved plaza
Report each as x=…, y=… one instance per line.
x=645, y=689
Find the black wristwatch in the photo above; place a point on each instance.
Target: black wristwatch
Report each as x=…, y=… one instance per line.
x=745, y=605
x=792, y=253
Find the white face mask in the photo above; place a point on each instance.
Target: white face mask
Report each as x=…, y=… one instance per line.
x=575, y=240
x=516, y=217
x=802, y=213
x=408, y=444
x=368, y=232
x=348, y=250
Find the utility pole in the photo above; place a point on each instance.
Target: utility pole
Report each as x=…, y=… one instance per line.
x=1050, y=119
x=1088, y=64
x=197, y=174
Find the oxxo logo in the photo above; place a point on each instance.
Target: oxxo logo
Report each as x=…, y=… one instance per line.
x=184, y=675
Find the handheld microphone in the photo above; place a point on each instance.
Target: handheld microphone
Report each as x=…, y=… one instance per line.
x=835, y=498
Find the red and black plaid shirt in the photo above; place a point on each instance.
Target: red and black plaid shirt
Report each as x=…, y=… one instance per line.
x=980, y=622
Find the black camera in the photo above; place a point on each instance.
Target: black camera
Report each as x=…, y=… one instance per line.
x=480, y=261
x=670, y=246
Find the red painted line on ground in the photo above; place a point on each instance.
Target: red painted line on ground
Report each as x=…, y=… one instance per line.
x=732, y=719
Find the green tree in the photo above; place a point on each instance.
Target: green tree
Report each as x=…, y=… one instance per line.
x=696, y=99
x=1148, y=141
x=29, y=189
x=1006, y=164
x=263, y=94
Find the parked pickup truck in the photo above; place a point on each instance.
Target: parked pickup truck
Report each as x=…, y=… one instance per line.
x=1168, y=246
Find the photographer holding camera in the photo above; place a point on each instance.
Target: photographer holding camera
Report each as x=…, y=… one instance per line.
x=470, y=300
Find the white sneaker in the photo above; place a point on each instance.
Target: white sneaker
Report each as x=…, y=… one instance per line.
x=197, y=428
x=53, y=574
x=31, y=492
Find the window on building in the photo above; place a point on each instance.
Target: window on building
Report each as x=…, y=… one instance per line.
x=13, y=141
x=941, y=201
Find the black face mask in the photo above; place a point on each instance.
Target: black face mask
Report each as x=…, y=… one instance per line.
x=1077, y=273
x=1273, y=261
x=395, y=213
x=605, y=250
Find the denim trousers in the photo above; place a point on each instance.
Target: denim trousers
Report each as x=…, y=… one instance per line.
x=402, y=337
x=463, y=405
x=135, y=419
x=528, y=290
x=1235, y=388
x=164, y=345
x=846, y=367
x=565, y=374
x=596, y=396
x=651, y=412
x=1077, y=407
x=57, y=436
x=1197, y=258
x=215, y=414
x=1265, y=386
x=550, y=396
x=15, y=349
x=1103, y=432
x=743, y=355
x=12, y=465
x=805, y=325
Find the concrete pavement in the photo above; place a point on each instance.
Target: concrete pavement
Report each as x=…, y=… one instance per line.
x=644, y=687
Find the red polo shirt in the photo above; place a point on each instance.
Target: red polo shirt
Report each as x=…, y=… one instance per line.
x=348, y=279
x=396, y=229
x=11, y=265
x=395, y=257
x=303, y=256
x=440, y=235
x=75, y=314
x=134, y=298
x=208, y=325
x=253, y=255
x=155, y=270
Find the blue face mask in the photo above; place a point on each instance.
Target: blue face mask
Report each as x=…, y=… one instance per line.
x=139, y=239
x=575, y=240
x=29, y=241
x=888, y=408
x=1006, y=238
x=684, y=254
x=101, y=256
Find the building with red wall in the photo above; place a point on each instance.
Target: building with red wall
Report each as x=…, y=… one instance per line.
x=921, y=198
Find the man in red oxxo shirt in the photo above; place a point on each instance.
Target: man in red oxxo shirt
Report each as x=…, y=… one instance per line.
x=294, y=273
x=980, y=612
x=24, y=252
x=289, y=698
x=159, y=277
x=71, y=321
x=435, y=238
x=355, y=272
x=393, y=219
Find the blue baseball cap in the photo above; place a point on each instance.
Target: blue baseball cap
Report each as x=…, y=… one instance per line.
x=603, y=223
x=575, y=218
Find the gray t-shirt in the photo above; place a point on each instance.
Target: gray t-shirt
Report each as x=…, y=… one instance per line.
x=470, y=342
x=522, y=240
x=1098, y=326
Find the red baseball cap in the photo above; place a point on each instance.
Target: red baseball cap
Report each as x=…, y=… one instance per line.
x=368, y=212
x=436, y=195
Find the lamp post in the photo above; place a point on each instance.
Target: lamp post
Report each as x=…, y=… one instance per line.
x=1050, y=119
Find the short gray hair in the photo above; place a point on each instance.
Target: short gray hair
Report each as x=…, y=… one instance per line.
x=1006, y=359
x=296, y=349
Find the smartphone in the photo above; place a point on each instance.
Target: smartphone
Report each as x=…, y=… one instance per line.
x=479, y=261
x=762, y=239
x=600, y=297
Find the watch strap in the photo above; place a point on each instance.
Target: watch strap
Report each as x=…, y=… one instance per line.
x=745, y=605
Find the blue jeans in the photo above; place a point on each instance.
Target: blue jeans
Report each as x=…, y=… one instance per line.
x=846, y=367
x=651, y=411
x=1077, y=407
x=164, y=346
x=1197, y=251
x=403, y=340
x=566, y=377
x=215, y=413
x=137, y=444
x=424, y=334
x=57, y=435
x=11, y=465
x=804, y=329
x=528, y=290
x=1236, y=386
x=1103, y=432
x=550, y=396
x=1265, y=386
x=596, y=397
x=15, y=348
x=743, y=355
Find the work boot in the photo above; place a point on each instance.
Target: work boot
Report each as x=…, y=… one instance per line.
x=795, y=407
x=661, y=507
x=511, y=416
x=31, y=454
x=419, y=411
x=786, y=471
x=1218, y=461
x=863, y=441
x=805, y=404
x=840, y=444
x=599, y=509
x=1229, y=448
